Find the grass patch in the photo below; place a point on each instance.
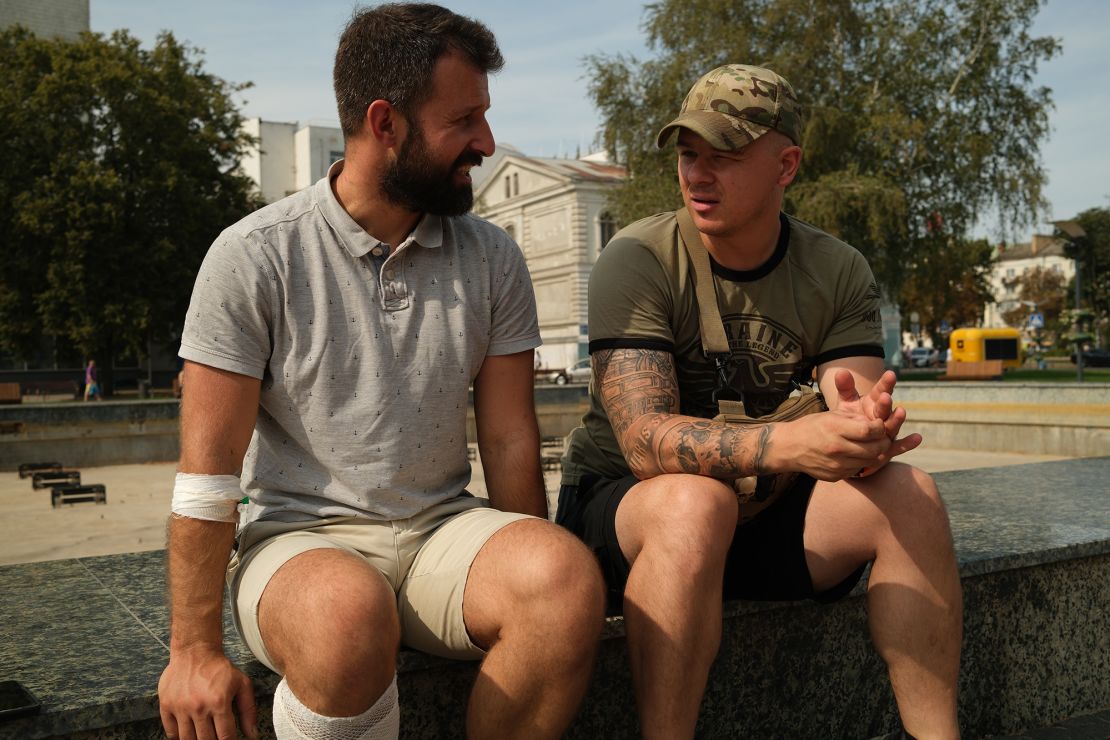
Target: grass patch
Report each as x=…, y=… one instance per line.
x=1057, y=375
x=1020, y=375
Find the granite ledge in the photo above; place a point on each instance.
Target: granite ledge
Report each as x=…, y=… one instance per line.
x=1004, y=519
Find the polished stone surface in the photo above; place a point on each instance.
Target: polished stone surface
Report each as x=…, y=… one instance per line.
x=1025, y=515
x=89, y=636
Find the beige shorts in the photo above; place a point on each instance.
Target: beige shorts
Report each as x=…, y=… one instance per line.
x=425, y=558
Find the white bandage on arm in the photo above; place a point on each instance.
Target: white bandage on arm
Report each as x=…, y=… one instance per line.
x=210, y=497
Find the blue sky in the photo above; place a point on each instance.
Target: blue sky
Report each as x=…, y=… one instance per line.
x=539, y=101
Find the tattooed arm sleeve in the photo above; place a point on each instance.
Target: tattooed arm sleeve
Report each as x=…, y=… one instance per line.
x=639, y=390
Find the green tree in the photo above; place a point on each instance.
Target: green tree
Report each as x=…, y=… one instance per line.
x=1093, y=253
x=121, y=167
x=922, y=114
x=963, y=270
x=1046, y=289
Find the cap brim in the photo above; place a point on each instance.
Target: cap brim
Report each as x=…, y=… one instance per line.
x=722, y=131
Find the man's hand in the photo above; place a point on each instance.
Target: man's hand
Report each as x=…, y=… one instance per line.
x=878, y=405
x=828, y=446
x=195, y=696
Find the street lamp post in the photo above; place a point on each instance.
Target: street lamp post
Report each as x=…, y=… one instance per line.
x=1075, y=235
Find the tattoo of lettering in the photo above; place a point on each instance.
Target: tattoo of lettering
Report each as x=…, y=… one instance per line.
x=639, y=391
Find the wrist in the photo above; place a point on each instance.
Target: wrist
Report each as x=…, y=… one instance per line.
x=768, y=458
x=196, y=651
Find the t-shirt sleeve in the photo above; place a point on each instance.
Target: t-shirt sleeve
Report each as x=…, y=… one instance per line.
x=515, y=326
x=857, y=328
x=629, y=299
x=228, y=323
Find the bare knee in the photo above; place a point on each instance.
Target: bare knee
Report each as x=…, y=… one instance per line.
x=688, y=518
x=535, y=579
x=912, y=504
x=560, y=578
x=330, y=622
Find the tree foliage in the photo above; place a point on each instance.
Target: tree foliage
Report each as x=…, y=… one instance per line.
x=1040, y=286
x=921, y=114
x=962, y=270
x=1047, y=290
x=1093, y=254
x=120, y=169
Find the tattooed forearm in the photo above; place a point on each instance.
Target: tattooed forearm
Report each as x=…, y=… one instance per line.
x=639, y=391
x=634, y=382
x=716, y=449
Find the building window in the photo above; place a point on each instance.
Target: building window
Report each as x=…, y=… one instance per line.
x=508, y=187
x=1010, y=272
x=607, y=227
x=333, y=157
x=516, y=184
x=511, y=231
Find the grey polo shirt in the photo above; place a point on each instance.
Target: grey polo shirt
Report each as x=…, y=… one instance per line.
x=365, y=365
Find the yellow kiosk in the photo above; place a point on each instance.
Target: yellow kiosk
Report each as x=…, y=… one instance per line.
x=977, y=345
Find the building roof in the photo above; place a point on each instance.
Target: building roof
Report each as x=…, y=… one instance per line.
x=1042, y=245
x=583, y=169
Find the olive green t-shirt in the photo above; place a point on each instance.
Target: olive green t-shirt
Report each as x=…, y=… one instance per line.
x=815, y=300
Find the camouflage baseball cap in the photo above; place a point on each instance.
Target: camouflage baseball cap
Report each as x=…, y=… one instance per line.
x=734, y=105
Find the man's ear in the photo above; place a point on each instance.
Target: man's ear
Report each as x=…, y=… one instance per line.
x=384, y=123
x=790, y=159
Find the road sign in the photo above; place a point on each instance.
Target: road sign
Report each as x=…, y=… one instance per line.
x=1036, y=321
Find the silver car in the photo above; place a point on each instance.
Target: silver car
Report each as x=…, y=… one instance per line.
x=579, y=372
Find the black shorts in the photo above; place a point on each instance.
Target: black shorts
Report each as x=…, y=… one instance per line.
x=766, y=561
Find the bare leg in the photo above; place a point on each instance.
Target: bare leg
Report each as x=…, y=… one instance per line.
x=535, y=599
x=676, y=531
x=915, y=604
x=329, y=620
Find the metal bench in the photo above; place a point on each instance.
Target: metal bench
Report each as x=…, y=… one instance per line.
x=54, y=478
x=26, y=469
x=92, y=494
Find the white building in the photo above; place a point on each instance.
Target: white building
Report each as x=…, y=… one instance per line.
x=289, y=158
x=1013, y=261
x=60, y=18
x=556, y=209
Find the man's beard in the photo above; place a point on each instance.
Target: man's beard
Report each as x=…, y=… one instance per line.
x=413, y=181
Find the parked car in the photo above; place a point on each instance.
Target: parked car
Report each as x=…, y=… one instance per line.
x=924, y=357
x=1094, y=357
x=579, y=372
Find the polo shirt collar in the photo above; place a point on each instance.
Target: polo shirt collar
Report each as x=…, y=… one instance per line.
x=428, y=232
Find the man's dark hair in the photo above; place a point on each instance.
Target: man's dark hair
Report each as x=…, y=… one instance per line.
x=389, y=53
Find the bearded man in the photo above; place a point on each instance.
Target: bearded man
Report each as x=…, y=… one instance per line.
x=330, y=345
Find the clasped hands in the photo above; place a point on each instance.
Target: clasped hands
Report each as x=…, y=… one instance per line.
x=858, y=436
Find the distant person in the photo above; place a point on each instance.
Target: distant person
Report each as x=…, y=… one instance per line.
x=330, y=345
x=92, y=387
x=683, y=509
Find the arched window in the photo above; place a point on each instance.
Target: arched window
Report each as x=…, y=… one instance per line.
x=516, y=184
x=511, y=231
x=508, y=185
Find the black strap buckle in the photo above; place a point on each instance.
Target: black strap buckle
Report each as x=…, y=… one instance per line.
x=724, y=391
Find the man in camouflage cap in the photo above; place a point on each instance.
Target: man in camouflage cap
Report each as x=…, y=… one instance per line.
x=683, y=510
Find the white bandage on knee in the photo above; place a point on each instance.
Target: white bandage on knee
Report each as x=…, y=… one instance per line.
x=210, y=497
x=295, y=721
